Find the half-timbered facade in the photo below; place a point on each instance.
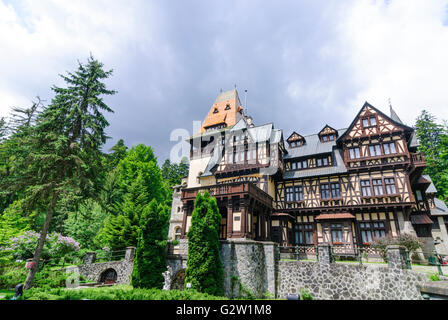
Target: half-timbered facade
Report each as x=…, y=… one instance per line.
x=344, y=187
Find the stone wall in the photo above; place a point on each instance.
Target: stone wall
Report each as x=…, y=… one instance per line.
x=249, y=268
x=93, y=271
x=335, y=281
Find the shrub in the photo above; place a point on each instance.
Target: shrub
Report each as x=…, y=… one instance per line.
x=305, y=294
x=46, y=278
x=115, y=293
x=434, y=277
x=410, y=242
x=56, y=246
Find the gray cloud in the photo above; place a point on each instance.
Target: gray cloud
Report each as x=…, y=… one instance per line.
x=304, y=63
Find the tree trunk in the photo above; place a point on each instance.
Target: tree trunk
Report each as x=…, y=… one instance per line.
x=43, y=235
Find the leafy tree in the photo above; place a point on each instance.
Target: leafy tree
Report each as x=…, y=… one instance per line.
x=433, y=143
x=204, y=266
x=150, y=259
x=85, y=224
x=63, y=150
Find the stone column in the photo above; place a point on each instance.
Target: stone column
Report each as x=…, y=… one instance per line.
x=396, y=257
x=324, y=253
x=90, y=257
x=130, y=254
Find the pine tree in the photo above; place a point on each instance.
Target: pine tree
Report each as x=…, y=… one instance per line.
x=150, y=259
x=63, y=150
x=204, y=266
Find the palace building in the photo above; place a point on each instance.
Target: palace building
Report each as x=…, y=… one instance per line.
x=343, y=187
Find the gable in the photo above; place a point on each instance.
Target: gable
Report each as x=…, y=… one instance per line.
x=295, y=137
x=370, y=121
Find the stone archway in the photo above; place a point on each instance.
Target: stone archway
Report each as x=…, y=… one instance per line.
x=109, y=276
x=178, y=280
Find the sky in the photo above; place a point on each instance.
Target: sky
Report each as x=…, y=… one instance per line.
x=305, y=63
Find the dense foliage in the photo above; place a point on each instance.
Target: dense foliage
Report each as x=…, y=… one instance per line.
x=116, y=293
x=433, y=139
x=410, y=242
x=150, y=259
x=204, y=266
x=56, y=182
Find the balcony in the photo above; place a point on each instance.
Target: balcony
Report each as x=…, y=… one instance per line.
x=228, y=190
x=418, y=159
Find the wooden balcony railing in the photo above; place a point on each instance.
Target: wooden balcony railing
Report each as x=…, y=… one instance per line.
x=229, y=189
x=418, y=159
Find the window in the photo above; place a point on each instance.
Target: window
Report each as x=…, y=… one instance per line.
x=293, y=144
x=304, y=234
x=228, y=107
x=297, y=165
x=371, y=231
x=375, y=150
x=177, y=233
x=423, y=230
x=365, y=122
x=435, y=222
x=325, y=191
x=365, y=188
x=325, y=138
x=377, y=187
x=369, y=122
x=389, y=148
x=390, y=185
x=289, y=194
x=331, y=137
x=419, y=195
x=294, y=194
x=215, y=111
x=335, y=190
x=298, y=192
x=252, y=154
x=354, y=153
x=366, y=232
x=322, y=162
x=336, y=233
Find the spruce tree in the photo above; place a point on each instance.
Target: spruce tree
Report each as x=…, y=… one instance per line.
x=63, y=150
x=150, y=259
x=204, y=271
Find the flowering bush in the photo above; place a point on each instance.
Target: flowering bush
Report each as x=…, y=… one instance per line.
x=56, y=246
x=410, y=242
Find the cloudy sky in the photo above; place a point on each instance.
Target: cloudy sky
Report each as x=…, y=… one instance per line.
x=304, y=63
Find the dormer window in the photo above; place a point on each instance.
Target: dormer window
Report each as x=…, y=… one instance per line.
x=329, y=137
x=216, y=110
x=228, y=107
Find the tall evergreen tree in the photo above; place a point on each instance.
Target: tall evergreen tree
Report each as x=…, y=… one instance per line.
x=204, y=265
x=431, y=136
x=150, y=259
x=63, y=151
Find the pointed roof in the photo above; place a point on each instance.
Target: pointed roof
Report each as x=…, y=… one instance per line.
x=225, y=110
x=368, y=105
x=394, y=115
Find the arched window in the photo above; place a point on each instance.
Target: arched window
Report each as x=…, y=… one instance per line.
x=177, y=233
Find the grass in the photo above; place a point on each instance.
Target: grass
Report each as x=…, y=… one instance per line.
x=5, y=294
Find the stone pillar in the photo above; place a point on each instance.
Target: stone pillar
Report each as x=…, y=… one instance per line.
x=396, y=257
x=324, y=253
x=90, y=257
x=130, y=254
